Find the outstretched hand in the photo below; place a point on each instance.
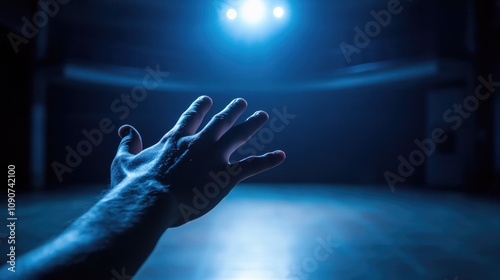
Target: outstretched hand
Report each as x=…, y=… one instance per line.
x=193, y=165
x=180, y=178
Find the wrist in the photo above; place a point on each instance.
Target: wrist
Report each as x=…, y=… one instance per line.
x=141, y=201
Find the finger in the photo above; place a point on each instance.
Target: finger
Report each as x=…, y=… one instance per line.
x=131, y=143
x=238, y=135
x=223, y=121
x=190, y=120
x=254, y=165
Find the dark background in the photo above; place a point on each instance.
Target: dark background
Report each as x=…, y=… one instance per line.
x=352, y=120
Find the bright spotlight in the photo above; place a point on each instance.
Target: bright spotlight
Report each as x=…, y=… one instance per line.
x=253, y=11
x=231, y=14
x=278, y=12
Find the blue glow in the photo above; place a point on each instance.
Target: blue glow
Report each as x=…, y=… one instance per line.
x=253, y=11
x=133, y=77
x=379, y=77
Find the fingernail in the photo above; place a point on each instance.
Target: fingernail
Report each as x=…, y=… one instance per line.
x=279, y=152
x=272, y=154
x=256, y=114
x=124, y=131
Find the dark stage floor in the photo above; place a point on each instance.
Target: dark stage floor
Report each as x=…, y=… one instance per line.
x=307, y=232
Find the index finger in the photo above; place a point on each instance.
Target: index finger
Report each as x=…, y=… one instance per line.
x=223, y=121
x=190, y=120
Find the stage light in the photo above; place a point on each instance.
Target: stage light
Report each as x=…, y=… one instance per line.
x=253, y=11
x=278, y=12
x=254, y=21
x=231, y=14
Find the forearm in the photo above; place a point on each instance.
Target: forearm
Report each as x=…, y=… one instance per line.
x=116, y=235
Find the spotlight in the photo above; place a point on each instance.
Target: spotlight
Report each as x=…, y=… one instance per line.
x=253, y=11
x=278, y=12
x=231, y=14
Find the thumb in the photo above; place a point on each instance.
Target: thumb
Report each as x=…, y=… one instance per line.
x=131, y=140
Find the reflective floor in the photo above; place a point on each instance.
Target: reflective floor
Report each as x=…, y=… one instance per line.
x=311, y=232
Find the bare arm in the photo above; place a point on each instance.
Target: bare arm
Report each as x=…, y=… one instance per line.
x=153, y=189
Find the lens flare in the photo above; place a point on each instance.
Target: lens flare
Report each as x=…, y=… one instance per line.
x=278, y=12
x=231, y=14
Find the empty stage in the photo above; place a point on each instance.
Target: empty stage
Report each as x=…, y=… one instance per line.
x=307, y=232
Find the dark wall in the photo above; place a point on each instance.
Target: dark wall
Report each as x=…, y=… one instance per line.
x=349, y=136
x=16, y=73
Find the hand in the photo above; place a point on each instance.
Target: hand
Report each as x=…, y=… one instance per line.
x=193, y=166
x=180, y=178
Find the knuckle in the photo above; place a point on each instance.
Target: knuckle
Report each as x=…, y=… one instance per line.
x=174, y=135
x=119, y=161
x=190, y=114
x=221, y=117
x=125, y=141
x=187, y=142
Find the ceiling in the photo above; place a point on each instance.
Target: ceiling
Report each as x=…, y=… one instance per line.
x=186, y=37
